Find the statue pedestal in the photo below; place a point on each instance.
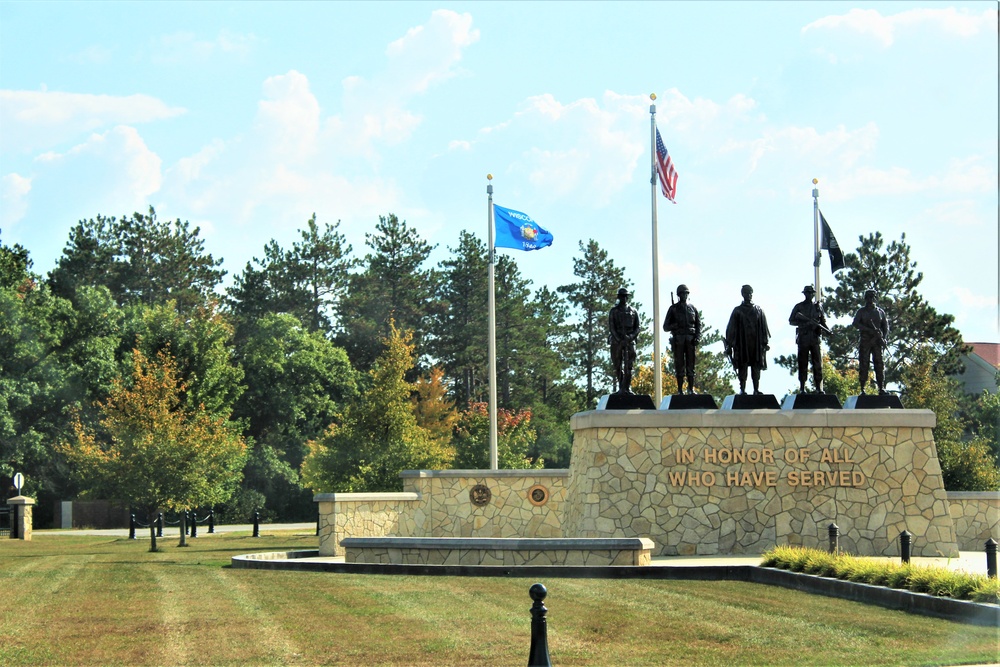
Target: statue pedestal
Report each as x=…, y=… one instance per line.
x=750, y=402
x=688, y=402
x=810, y=402
x=625, y=402
x=873, y=402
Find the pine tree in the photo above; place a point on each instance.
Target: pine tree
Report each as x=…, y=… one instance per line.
x=914, y=325
x=592, y=298
x=393, y=286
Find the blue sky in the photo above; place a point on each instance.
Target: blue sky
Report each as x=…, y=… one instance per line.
x=245, y=118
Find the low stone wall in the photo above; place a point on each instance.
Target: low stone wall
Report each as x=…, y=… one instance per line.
x=733, y=481
x=343, y=515
x=977, y=517
x=507, y=510
x=441, y=503
x=502, y=551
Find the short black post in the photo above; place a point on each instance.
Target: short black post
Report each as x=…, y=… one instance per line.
x=991, y=558
x=538, y=655
x=211, y=521
x=256, y=524
x=187, y=522
x=159, y=524
x=131, y=526
x=905, y=539
x=834, y=532
x=194, y=523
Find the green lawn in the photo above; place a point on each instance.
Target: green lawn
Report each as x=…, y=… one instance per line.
x=107, y=601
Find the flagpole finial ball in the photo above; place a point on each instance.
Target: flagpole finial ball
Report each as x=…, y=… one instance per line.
x=489, y=177
x=815, y=181
x=652, y=96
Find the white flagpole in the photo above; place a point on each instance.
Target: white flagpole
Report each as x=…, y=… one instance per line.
x=657, y=374
x=492, y=344
x=816, y=255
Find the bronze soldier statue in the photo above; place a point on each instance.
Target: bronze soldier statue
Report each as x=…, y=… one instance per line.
x=623, y=329
x=873, y=329
x=684, y=326
x=810, y=324
x=746, y=340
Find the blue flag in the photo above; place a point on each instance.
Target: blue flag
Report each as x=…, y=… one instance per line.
x=517, y=230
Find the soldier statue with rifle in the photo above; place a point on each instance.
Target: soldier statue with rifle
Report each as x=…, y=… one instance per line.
x=810, y=324
x=873, y=327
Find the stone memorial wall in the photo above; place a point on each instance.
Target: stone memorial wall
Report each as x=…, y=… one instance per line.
x=731, y=482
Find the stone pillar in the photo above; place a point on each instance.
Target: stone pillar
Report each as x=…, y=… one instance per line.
x=21, y=519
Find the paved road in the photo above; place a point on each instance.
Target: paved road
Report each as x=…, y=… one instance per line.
x=169, y=531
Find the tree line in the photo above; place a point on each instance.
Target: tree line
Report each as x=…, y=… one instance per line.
x=320, y=368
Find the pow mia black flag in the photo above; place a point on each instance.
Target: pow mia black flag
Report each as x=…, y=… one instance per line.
x=828, y=242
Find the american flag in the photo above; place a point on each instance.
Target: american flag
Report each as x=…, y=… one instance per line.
x=665, y=168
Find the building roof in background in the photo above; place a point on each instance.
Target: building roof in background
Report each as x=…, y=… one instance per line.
x=990, y=352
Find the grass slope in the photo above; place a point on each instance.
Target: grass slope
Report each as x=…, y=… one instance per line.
x=73, y=600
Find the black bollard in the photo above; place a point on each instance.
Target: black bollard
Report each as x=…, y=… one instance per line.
x=905, y=539
x=256, y=524
x=194, y=524
x=991, y=558
x=834, y=532
x=538, y=655
x=131, y=526
x=211, y=521
x=159, y=524
x=187, y=523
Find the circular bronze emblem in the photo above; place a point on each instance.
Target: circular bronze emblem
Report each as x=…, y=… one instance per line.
x=480, y=495
x=538, y=495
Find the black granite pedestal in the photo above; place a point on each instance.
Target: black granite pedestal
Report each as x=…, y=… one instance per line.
x=688, y=402
x=750, y=402
x=811, y=402
x=873, y=402
x=626, y=402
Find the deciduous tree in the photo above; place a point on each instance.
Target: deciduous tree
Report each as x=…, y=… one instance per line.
x=152, y=450
x=378, y=436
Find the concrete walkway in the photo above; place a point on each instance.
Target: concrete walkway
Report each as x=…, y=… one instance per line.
x=968, y=561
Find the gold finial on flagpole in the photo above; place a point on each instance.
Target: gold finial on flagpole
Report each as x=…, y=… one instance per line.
x=652, y=96
x=815, y=181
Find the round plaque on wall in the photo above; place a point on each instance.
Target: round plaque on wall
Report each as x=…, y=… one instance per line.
x=538, y=495
x=480, y=495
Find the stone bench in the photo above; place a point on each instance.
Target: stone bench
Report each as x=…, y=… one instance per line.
x=505, y=551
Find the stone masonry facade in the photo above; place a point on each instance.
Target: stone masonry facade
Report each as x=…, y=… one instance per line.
x=699, y=482
x=731, y=482
x=977, y=518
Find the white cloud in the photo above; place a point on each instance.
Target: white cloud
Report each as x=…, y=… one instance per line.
x=429, y=53
x=14, y=190
x=847, y=146
x=186, y=47
x=34, y=120
x=884, y=29
x=289, y=116
x=376, y=109
x=966, y=176
x=969, y=299
x=115, y=167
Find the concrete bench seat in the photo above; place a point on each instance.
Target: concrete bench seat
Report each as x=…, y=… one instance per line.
x=512, y=551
